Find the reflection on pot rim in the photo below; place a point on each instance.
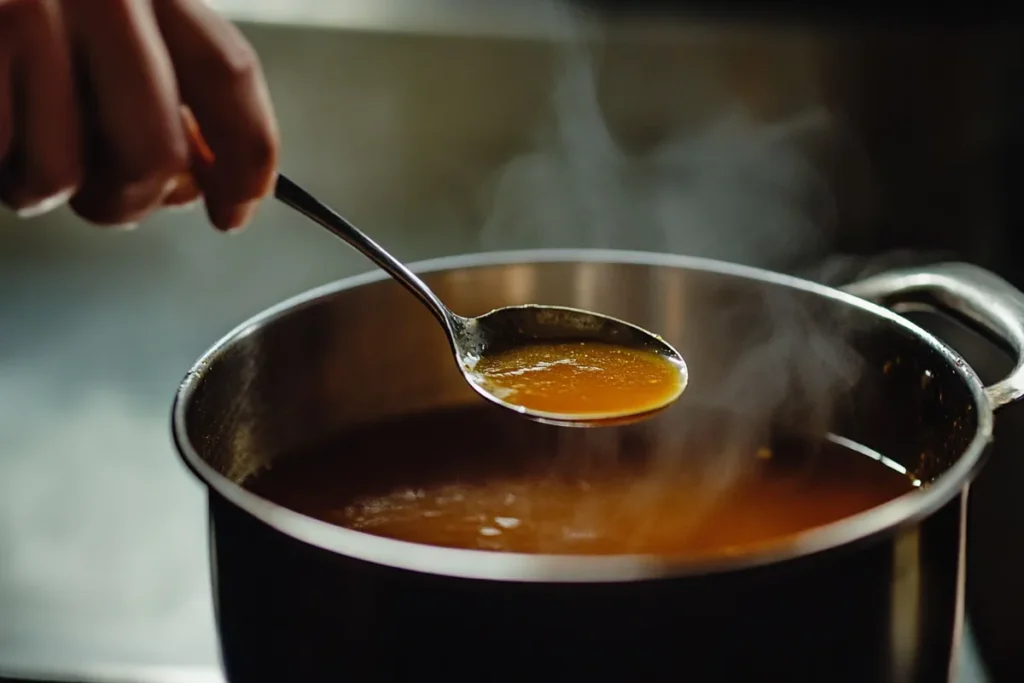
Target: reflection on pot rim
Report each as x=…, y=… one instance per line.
x=899, y=512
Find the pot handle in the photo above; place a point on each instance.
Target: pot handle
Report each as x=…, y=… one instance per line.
x=970, y=293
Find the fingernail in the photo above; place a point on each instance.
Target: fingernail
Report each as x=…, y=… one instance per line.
x=172, y=186
x=46, y=205
x=234, y=218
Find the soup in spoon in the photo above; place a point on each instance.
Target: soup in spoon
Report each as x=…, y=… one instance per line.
x=589, y=380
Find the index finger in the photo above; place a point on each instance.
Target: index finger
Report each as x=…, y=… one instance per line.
x=221, y=82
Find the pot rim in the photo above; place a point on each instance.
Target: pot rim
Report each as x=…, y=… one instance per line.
x=900, y=512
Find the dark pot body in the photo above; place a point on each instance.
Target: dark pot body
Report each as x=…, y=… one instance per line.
x=888, y=610
x=876, y=597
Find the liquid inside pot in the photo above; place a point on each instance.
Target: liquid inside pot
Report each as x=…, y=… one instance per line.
x=479, y=478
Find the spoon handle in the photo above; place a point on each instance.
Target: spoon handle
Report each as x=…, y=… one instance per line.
x=290, y=193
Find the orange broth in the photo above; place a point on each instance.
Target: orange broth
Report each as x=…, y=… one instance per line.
x=584, y=379
x=482, y=478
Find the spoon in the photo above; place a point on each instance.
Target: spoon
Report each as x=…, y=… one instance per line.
x=503, y=329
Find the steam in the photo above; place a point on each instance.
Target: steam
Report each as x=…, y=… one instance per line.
x=737, y=189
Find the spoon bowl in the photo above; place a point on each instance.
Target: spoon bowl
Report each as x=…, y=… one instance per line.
x=516, y=326
x=512, y=328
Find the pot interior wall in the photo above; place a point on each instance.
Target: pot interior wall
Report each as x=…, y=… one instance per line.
x=767, y=355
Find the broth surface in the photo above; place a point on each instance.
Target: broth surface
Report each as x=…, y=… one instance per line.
x=480, y=478
x=589, y=379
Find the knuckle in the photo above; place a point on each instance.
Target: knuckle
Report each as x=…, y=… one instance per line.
x=237, y=65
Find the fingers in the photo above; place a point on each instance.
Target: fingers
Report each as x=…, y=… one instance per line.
x=121, y=150
x=220, y=80
x=136, y=147
x=39, y=137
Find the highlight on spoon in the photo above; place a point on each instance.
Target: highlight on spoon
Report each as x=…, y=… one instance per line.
x=603, y=371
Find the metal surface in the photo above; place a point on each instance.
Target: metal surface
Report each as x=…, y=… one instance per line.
x=286, y=583
x=499, y=329
x=972, y=294
x=291, y=194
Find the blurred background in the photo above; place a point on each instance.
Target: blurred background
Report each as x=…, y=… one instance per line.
x=442, y=127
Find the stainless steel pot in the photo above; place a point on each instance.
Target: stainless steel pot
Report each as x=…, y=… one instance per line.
x=875, y=597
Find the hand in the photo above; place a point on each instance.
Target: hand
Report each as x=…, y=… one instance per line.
x=102, y=101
